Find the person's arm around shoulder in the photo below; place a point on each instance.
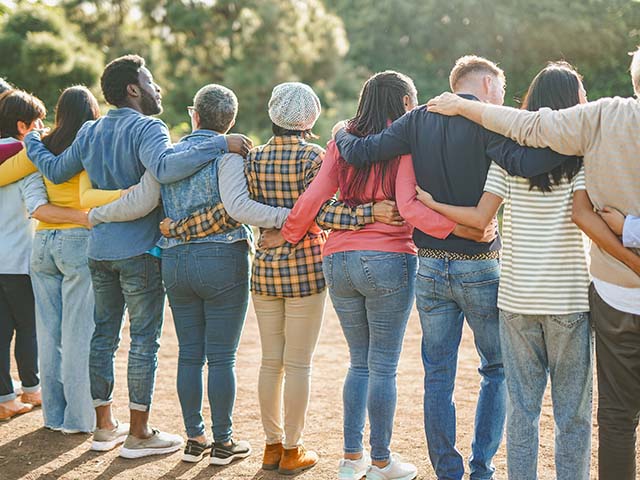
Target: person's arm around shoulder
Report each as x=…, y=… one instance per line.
x=16, y=168
x=57, y=168
x=93, y=197
x=386, y=145
x=137, y=202
x=235, y=197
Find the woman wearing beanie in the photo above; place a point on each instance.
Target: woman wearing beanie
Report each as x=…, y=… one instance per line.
x=287, y=284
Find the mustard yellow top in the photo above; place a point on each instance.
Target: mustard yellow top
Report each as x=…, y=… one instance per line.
x=92, y=197
x=66, y=194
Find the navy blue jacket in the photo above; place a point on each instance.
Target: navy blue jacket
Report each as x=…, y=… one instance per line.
x=451, y=157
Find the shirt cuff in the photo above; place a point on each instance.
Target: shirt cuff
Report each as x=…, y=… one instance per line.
x=220, y=141
x=365, y=214
x=36, y=204
x=631, y=232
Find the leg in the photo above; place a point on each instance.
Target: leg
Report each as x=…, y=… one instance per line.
x=77, y=329
x=569, y=347
x=270, y=315
x=7, y=326
x=141, y=284
x=188, y=317
x=477, y=292
x=388, y=306
x=303, y=320
x=441, y=321
x=349, y=305
x=47, y=286
x=618, y=364
x=108, y=318
x=525, y=364
x=225, y=309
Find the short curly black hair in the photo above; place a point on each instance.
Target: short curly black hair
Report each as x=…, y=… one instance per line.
x=117, y=75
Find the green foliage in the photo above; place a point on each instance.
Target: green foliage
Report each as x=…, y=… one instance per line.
x=333, y=45
x=43, y=53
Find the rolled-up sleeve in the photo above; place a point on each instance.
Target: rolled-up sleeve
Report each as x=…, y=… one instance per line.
x=33, y=192
x=631, y=232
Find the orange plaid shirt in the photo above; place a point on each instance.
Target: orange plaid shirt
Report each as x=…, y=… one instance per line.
x=277, y=174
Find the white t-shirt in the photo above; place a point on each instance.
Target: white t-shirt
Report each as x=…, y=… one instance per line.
x=544, y=267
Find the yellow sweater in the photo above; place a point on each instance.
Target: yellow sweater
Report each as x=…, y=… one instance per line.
x=66, y=194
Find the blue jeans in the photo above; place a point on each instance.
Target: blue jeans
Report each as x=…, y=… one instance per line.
x=208, y=289
x=64, y=319
x=447, y=292
x=372, y=293
x=137, y=284
x=534, y=346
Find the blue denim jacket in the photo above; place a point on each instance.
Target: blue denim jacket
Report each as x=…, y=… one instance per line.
x=200, y=190
x=115, y=150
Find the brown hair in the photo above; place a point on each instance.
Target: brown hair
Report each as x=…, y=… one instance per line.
x=470, y=64
x=18, y=106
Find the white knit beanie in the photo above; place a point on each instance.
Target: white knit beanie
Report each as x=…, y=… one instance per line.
x=294, y=106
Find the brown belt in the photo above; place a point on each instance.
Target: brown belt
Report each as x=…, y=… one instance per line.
x=443, y=254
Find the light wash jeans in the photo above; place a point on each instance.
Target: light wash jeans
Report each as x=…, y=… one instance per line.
x=534, y=346
x=372, y=293
x=64, y=322
x=447, y=292
x=208, y=289
x=137, y=284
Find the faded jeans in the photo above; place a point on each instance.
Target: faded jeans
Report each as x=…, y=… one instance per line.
x=534, y=347
x=64, y=319
x=372, y=293
x=137, y=284
x=447, y=292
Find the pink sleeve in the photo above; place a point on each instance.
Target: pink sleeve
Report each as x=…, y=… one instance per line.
x=8, y=149
x=321, y=189
x=412, y=209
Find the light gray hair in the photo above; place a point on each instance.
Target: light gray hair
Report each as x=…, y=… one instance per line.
x=217, y=107
x=635, y=71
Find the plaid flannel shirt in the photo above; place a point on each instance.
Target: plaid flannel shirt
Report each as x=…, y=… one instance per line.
x=277, y=174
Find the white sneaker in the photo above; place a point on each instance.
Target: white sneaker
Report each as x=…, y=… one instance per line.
x=158, y=444
x=105, y=440
x=354, y=469
x=395, y=470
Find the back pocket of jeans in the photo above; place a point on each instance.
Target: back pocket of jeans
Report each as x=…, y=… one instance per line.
x=219, y=272
x=386, y=272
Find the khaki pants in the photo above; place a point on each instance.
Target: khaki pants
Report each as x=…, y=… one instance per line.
x=289, y=330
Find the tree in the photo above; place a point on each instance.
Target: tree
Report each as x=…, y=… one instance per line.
x=43, y=53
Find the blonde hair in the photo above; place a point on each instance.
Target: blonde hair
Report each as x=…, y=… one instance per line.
x=635, y=71
x=470, y=64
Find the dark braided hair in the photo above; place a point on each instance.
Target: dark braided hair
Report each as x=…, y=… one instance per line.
x=381, y=102
x=556, y=87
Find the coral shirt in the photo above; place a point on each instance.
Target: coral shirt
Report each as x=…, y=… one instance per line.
x=375, y=236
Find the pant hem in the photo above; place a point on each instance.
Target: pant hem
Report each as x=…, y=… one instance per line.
x=33, y=389
x=101, y=403
x=8, y=397
x=380, y=459
x=139, y=407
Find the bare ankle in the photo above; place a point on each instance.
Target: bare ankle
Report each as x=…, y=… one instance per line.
x=353, y=456
x=200, y=439
x=380, y=463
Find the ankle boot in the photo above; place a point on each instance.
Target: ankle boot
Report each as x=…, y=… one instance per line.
x=272, y=456
x=295, y=460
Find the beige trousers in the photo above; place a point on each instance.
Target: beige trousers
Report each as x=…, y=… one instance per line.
x=289, y=330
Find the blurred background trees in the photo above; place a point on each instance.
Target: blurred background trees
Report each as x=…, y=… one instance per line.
x=334, y=45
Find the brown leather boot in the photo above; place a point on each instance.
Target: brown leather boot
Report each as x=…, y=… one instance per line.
x=295, y=460
x=272, y=456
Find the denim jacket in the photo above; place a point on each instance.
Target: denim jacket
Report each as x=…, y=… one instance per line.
x=198, y=191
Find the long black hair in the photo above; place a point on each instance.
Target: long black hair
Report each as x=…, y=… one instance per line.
x=556, y=87
x=75, y=106
x=381, y=102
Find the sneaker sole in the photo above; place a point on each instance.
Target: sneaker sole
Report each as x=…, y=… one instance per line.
x=147, y=452
x=106, y=446
x=226, y=461
x=282, y=471
x=192, y=458
x=406, y=477
x=352, y=476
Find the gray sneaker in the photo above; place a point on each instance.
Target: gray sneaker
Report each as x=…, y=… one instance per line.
x=159, y=443
x=105, y=440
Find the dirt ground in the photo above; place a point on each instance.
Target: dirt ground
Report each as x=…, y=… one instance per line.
x=28, y=451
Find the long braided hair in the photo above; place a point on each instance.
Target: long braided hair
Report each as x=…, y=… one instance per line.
x=381, y=102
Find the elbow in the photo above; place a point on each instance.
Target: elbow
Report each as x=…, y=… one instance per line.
x=480, y=223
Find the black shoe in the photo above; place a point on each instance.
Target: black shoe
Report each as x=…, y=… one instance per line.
x=225, y=454
x=194, y=451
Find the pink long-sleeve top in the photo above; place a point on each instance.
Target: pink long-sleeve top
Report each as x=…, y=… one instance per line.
x=374, y=236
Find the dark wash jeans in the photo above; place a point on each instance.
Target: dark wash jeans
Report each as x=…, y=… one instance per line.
x=134, y=283
x=618, y=364
x=17, y=314
x=447, y=292
x=208, y=289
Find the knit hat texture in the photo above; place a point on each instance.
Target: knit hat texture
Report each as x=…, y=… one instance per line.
x=294, y=106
